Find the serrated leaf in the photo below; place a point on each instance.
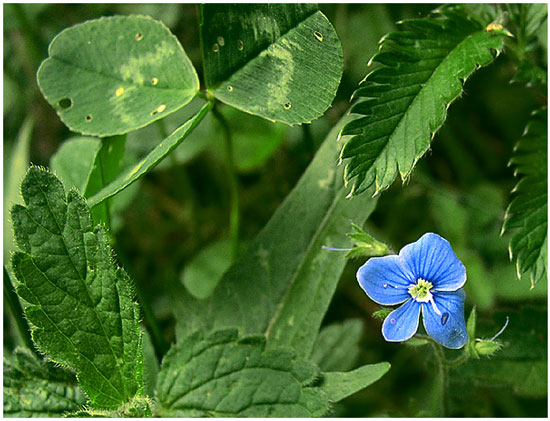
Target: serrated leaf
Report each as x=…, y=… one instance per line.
x=116, y=74
x=338, y=386
x=81, y=308
x=282, y=62
x=161, y=151
x=404, y=102
x=34, y=388
x=527, y=214
x=221, y=375
x=284, y=282
x=337, y=346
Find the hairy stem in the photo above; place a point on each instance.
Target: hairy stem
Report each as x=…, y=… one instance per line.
x=234, y=185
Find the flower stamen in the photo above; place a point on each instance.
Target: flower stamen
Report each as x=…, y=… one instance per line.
x=421, y=291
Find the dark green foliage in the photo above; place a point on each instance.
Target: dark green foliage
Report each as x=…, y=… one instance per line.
x=527, y=214
x=404, y=101
x=34, y=388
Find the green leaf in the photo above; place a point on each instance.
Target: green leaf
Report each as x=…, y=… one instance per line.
x=283, y=284
x=365, y=244
x=224, y=376
x=337, y=346
x=116, y=74
x=527, y=214
x=282, y=62
x=338, y=386
x=161, y=151
x=404, y=102
x=34, y=388
x=74, y=160
x=15, y=170
x=81, y=308
x=203, y=273
x=521, y=364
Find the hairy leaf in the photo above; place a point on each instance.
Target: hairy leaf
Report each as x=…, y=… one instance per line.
x=404, y=102
x=81, y=306
x=283, y=284
x=161, y=151
x=116, y=74
x=34, y=388
x=341, y=385
x=337, y=346
x=222, y=375
x=282, y=62
x=527, y=214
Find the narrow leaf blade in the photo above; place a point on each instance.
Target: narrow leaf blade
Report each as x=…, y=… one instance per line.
x=81, y=307
x=113, y=75
x=161, y=151
x=404, y=102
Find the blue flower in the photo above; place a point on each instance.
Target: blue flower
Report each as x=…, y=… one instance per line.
x=426, y=276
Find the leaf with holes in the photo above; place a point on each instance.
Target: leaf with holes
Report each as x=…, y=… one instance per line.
x=34, y=388
x=80, y=305
x=222, y=375
x=404, y=102
x=527, y=214
x=113, y=75
x=282, y=62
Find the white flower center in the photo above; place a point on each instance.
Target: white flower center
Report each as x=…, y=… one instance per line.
x=421, y=291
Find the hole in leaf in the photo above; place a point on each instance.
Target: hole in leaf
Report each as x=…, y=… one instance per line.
x=230, y=88
x=240, y=45
x=221, y=41
x=287, y=106
x=160, y=109
x=65, y=103
x=89, y=118
x=139, y=36
x=216, y=48
x=154, y=81
x=318, y=35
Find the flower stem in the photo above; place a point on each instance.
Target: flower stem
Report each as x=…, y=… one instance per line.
x=440, y=358
x=234, y=212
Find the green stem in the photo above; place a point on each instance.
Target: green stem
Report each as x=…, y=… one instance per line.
x=234, y=213
x=440, y=358
x=17, y=312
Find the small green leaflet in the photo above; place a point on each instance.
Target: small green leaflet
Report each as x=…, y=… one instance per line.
x=34, y=388
x=81, y=308
x=224, y=376
x=282, y=62
x=337, y=346
x=404, y=102
x=116, y=74
x=527, y=214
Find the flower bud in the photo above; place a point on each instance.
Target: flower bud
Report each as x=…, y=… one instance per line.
x=487, y=346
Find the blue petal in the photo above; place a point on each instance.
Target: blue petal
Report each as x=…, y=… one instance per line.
x=402, y=323
x=449, y=328
x=432, y=259
x=385, y=280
